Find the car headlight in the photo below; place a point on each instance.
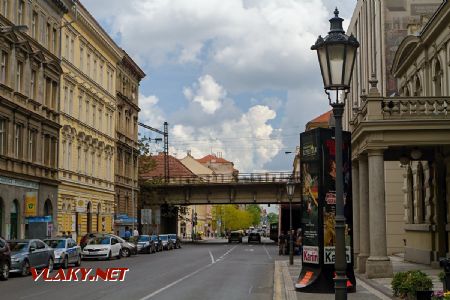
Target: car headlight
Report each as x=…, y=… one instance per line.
x=103, y=249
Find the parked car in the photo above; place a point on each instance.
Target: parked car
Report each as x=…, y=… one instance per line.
x=5, y=260
x=85, y=238
x=235, y=236
x=102, y=247
x=167, y=243
x=66, y=251
x=128, y=248
x=175, y=240
x=254, y=237
x=26, y=254
x=145, y=244
x=158, y=243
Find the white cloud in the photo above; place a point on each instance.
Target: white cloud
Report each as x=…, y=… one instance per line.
x=150, y=113
x=207, y=92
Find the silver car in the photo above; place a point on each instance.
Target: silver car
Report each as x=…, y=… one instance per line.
x=26, y=254
x=66, y=251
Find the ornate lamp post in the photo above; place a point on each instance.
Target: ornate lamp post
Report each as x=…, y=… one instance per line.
x=290, y=187
x=337, y=53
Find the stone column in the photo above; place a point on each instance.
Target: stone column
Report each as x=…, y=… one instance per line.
x=364, y=232
x=378, y=264
x=355, y=205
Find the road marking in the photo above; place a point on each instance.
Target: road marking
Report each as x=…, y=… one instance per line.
x=185, y=277
x=212, y=257
x=264, y=246
x=371, y=290
x=250, y=290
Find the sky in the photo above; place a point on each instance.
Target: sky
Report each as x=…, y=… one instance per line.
x=235, y=78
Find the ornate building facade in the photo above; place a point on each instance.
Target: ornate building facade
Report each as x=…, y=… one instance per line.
x=126, y=183
x=87, y=138
x=29, y=116
x=383, y=130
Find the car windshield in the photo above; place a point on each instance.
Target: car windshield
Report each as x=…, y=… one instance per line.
x=18, y=246
x=154, y=238
x=172, y=236
x=144, y=238
x=99, y=241
x=163, y=237
x=235, y=234
x=55, y=244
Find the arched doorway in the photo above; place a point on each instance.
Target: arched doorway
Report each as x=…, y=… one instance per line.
x=89, y=217
x=14, y=220
x=48, y=208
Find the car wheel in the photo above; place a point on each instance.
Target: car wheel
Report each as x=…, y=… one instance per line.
x=65, y=265
x=78, y=263
x=4, y=271
x=126, y=252
x=25, y=268
x=50, y=265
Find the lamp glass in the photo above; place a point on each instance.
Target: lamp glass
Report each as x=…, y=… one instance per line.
x=349, y=61
x=323, y=61
x=290, y=187
x=336, y=56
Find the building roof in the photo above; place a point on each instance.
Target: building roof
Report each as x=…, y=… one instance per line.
x=322, y=121
x=210, y=158
x=195, y=166
x=176, y=168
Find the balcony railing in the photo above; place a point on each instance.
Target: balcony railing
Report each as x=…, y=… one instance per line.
x=416, y=107
x=241, y=178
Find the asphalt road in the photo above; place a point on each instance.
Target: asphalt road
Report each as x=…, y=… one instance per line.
x=202, y=271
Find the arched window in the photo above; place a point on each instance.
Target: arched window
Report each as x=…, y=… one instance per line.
x=421, y=189
x=437, y=78
x=418, y=87
x=410, y=195
x=48, y=208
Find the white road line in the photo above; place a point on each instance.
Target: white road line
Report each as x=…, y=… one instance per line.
x=264, y=246
x=212, y=257
x=371, y=290
x=184, y=277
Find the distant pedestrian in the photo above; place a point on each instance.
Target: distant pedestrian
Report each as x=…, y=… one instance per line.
x=135, y=232
x=281, y=244
x=127, y=234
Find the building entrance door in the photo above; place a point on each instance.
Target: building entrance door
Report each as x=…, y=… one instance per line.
x=13, y=217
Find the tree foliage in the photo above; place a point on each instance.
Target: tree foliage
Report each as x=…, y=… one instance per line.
x=255, y=213
x=272, y=218
x=231, y=217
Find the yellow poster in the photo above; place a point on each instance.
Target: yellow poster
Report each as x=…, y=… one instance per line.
x=30, y=204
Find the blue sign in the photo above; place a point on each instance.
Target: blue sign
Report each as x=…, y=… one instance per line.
x=42, y=219
x=124, y=219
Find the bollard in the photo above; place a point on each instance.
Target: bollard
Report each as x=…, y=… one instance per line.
x=445, y=264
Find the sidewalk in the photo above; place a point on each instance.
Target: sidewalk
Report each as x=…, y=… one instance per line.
x=285, y=277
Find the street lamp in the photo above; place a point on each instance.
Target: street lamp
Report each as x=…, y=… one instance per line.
x=337, y=53
x=290, y=187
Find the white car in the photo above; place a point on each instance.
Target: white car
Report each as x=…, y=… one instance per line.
x=102, y=247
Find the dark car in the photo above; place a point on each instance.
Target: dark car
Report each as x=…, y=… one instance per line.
x=175, y=240
x=166, y=242
x=145, y=244
x=128, y=247
x=235, y=236
x=254, y=237
x=33, y=253
x=158, y=243
x=5, y=260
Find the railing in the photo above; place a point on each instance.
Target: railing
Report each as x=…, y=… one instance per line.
x=416, y=107
x=268, y=177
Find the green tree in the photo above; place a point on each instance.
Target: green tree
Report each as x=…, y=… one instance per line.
x=272, y=218
x=255, y=213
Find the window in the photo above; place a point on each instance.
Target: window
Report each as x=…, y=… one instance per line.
x=54, y=94
x=71, y=102
x=127, y=125
x=66, y=99
x=110, y=124
x=93, y=164
x=33, y=85
x=100, y=112
x=79, y=159
x=101, y=74
x=87, y=112
x=55, y=40
x=47, y=35
x=93, y=115
x=32, y=139
x=18, y=141
x=19, y=76
x=3, y=137
x=108, y=78
x=99, y=165
x=34, y=25
x=81, y=59
x=47, y=92
x=20, y=12
x=80, y=108
x=69, y=156
x=72, y=48
x=437, y=79
x=95, y=70
x=66, y=51
x=5, y=8
x=85, y=162
x=88, y=64
x=4, y=67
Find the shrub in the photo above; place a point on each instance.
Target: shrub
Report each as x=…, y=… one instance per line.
x=409, y=282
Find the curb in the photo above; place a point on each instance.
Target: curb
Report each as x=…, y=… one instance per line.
x=384, y=292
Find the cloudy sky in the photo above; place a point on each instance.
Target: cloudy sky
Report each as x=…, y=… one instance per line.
x=235, y=77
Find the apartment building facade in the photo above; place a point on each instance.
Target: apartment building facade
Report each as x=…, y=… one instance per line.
x=29, y=117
